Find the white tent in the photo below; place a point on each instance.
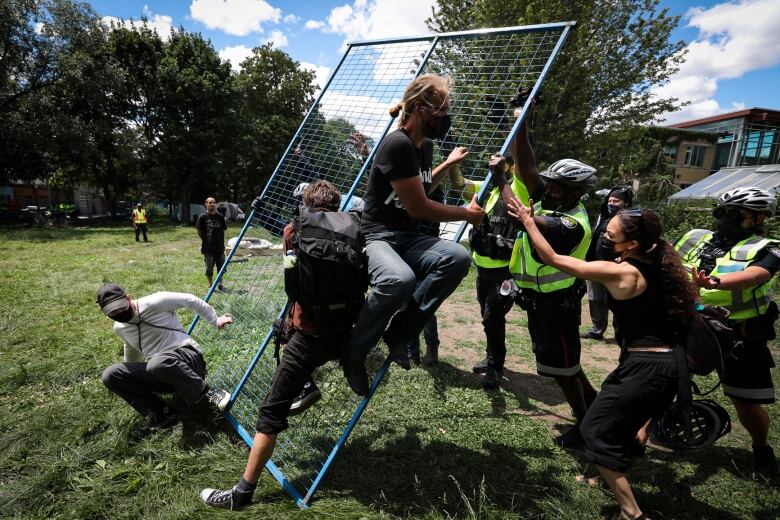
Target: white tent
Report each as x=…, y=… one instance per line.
x=766, y=177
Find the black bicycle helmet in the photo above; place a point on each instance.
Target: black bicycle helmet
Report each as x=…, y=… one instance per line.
x=707, y=422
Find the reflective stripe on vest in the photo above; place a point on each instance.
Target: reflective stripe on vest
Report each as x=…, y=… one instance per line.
x=519, y=189
x=531, y=274
x=742, y=303
x=139, y=216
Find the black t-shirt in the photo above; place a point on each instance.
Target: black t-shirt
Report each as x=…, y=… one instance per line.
x=396, y=158
x=212, y=231
x=431, y=228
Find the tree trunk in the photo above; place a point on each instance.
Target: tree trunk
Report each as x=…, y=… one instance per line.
x=185, y=194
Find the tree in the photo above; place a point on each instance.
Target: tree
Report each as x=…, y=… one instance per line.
x=273, y=97
x=188, y=113
x=601, y=83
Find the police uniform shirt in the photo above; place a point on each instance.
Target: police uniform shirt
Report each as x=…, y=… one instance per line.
x=768, y=258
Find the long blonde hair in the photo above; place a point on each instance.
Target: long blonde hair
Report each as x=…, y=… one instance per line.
x=422, y=91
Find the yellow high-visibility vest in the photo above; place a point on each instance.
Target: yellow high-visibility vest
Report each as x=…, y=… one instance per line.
x=139, y=216
x=532, y=274
x=742, y=303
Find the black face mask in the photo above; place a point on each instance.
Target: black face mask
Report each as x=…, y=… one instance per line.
x=730, y=225
x=124, y=316
x=612, y=209
x=607, y=249
x=551, y=203
x=439, y=131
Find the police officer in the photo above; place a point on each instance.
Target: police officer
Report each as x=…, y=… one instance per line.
x=734, y=267
x=551, y=297
x=140, y=222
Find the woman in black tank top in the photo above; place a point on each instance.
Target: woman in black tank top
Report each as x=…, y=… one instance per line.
x=650, y=296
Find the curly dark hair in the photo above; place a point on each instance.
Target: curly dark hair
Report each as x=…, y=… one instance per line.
x=644, y=226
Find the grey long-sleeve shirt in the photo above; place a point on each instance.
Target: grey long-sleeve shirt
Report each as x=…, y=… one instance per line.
x=155, y=327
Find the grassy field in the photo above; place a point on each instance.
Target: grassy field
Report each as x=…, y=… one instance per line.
x=432, y=444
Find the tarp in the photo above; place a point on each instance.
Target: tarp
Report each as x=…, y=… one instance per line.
x=766, y=177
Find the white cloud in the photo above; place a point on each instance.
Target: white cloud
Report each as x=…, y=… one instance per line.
x=321, y=71
x=236, y=17
x=734, y=38
x=235, y=55
x=371, y=19
x=160, y=23
x=291, y=18
x=369, y=120
x=278, y=39
x=314, y=24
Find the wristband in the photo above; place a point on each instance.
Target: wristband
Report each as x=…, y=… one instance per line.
x=716, y=280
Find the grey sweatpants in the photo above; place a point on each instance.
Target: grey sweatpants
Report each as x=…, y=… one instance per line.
x=180, y=371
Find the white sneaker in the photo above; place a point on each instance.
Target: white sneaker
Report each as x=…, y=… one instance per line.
x=219, y=398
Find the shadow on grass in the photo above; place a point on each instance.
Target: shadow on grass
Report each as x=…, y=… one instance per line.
x=405, y=478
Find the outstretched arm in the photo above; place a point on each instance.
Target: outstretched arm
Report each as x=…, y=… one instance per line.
x=604, y=272
x=525, y=160
x=416, y=202
x=753, y=276
x=453, y=159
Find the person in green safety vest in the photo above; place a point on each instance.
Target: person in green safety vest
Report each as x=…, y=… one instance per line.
x=492, y=244
x=552, y=298
x=734, y=267
x=140, y=222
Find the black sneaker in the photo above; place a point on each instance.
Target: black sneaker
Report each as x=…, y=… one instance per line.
x=764, y=460
x=161, y=419
x=481, y=367
x=414, y=354
x=492, y=378
x=308, y=396
x=398, y=353
x=229, y=499
x=355, y=372
x=571, y=440
x=218, y=398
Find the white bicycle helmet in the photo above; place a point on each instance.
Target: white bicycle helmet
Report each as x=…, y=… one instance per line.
x=571, y=173
x=753, y=199
x=298, y=191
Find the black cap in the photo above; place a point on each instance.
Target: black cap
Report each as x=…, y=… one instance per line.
x=111, y=298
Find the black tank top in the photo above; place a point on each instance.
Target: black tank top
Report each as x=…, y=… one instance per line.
x=644, y=319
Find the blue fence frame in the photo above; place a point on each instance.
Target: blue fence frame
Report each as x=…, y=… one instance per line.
x=303, y=500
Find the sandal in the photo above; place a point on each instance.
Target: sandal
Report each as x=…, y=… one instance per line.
x=590, y=477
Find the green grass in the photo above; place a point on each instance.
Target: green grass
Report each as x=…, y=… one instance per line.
x=431, y=444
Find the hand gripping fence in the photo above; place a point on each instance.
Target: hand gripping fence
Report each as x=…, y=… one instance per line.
x=336, y=142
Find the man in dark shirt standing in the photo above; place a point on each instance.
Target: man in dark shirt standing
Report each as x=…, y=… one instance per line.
x=211, y=230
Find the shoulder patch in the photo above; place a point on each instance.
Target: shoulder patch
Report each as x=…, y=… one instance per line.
x=568, y=222
x=774, y=250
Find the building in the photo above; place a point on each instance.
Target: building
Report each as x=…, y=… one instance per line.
x=749, y=137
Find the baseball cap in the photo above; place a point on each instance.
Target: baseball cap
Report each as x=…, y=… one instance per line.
x=111, y=298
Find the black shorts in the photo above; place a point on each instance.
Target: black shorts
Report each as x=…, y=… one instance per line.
x=301, y=357
x=641, y=387
x=555, y=335
x=747, y=376
x=213, y=259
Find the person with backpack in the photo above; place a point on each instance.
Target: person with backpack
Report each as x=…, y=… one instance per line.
x=618, y=198
x=407, y=268
x=322, y=246
x=652, y=300
x=733, y=267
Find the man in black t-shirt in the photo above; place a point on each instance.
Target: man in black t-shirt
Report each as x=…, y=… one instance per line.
x=211, y=230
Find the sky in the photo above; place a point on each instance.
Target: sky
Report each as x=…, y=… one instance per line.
x=733, y=58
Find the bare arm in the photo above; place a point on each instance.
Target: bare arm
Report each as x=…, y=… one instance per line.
x=753, y=276
x=454, y=158
x=525, y=160
x=412, y=195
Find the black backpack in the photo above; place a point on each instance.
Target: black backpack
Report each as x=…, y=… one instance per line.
x=709, y=340
x=330, y=276
x=495, y=237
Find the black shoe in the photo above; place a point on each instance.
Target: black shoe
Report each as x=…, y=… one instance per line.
x=399, y=353
x=161, y=419
x=309, y=395
x=431, y=355
x=492, y=378
x=218, y=398
x=355, y=372
x=481, y=367
x=571, y=440
x=592, y=335
x=764, y=460
x=228, y=499
x=414, y=355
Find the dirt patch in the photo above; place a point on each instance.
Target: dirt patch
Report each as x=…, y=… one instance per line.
x=537, y=397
